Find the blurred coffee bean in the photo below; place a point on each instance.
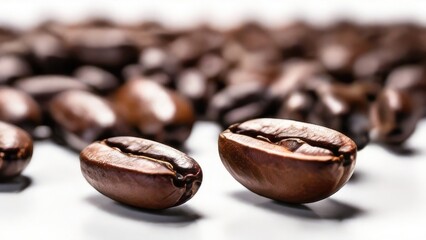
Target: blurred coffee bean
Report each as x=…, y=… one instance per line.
x=98, y=79
x=213, y=66
x=20, y=109
x=394, y=47
x=338, y=49
x=156, y=112
x=239, y=76
x=343, y=108
x=80, y=118
x=410, y=79
x=106, y=47
x=394, y=116
x=7, y=34
x=13, y=67
x=296, y=40
x=297, y=106
x=16, y=149
x=294, y=75
x=189, y=47
x=194, y=85
x=131, y=71
x=158, y=62
x=252, y=36
x=49, y=53
x=238, y=103
x=44, y=87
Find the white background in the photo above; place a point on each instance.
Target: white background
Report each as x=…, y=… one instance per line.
x=386, y=198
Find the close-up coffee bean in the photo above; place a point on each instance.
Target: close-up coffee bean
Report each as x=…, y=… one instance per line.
x=286, y=160
x=16, y=149
x=140, y=172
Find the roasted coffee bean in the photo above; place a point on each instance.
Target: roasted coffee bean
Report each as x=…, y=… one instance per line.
x=49, y=53
x=16, y=149
x=155, y=61
x=410, y=79
x=338, y=50
x=213, y=66
x=45, y=87
x=238, y=103
x=343, y=108
x=107, y=47
x=156, y=112
x=80, y=118
x=296, y=40
x=297, y=106
x=20, y=109
x=294, y=76
x=288, y=161
x=194, y=85
x=394, y=117
x=12, y=68
x=98, y=79
x=140, y=172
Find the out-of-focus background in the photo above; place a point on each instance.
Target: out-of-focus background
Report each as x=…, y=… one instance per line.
x=221, y=13
x=385, y=199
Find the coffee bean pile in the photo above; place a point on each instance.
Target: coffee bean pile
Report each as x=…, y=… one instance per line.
x=78, y=83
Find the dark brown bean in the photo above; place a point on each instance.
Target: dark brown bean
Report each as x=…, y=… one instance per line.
x=394, y=117
x=80, y=118
x=20, y=109
x=45, y=87
x=286, y=160
x=140, y=173
x=16, y=149
x=98, y=79
x=12, y=68
x=158, y=113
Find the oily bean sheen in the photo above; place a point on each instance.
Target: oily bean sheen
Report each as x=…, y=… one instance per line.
x=140, y=172
x=286, y=160
x=16, y=149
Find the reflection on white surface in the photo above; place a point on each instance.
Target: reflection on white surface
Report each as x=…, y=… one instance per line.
x=384, y=200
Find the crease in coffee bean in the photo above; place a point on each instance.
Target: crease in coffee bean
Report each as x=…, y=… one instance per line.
x=276, y=140
x=179, y=179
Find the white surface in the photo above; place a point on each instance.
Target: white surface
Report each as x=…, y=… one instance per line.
x=385, y=200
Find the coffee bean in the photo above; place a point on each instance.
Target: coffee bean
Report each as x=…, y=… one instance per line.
x=20, y=109
x=238, y=103
x=194, y=85
x=394, y=117
x=410, y=79
x=12, y=68
x=49, y=53
x=98, y=79
x=80, y=117
x=44, y=87
x=140, y=172
x=107, y=47
x=344, y=108
x=16, y=149
x=288, y=161
x=156, y=112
